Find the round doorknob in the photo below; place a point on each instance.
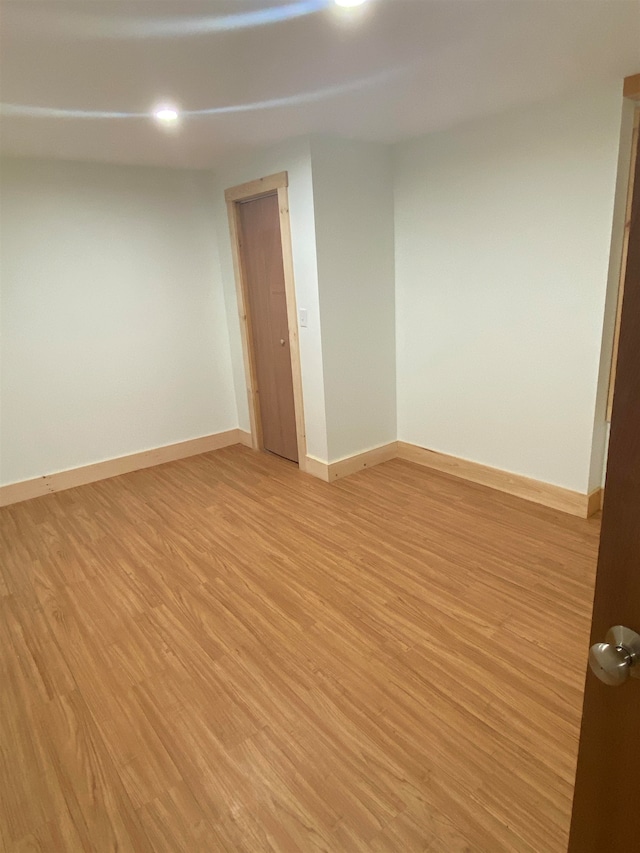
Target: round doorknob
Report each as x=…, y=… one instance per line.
x=615, y=660
x=282, y=342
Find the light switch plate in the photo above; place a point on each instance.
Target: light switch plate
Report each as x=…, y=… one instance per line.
x=304, y=318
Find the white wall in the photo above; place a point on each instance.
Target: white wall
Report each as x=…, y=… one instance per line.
x=114, y=336
x=120, y=329
x=353, y=201
x=503, y=231
x=293, y=157
x=601, y=429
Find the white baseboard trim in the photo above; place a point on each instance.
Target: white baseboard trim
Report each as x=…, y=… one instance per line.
x=555, y=497
x=22, y=491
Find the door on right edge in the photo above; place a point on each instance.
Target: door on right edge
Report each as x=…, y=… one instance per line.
x=606, y=807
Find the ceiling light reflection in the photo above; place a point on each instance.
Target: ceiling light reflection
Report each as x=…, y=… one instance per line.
x=25, y=111
x=90, y=25
x=166, y=114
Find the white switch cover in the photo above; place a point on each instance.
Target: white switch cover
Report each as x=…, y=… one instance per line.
x=304, y=318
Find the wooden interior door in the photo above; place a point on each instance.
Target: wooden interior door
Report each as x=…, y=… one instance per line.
x=606, y=813
x=263, y=273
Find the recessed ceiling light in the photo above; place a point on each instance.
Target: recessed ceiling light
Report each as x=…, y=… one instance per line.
x=349, y=2
x=166, y=114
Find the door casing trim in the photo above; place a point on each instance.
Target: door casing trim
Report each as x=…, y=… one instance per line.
x=272, y=184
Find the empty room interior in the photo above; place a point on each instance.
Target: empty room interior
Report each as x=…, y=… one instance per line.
x=319, y=426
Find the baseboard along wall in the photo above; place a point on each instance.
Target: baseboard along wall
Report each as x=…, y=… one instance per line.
x=546, y=494
x=565, y=500
x=39, y=486
x=555, y=497
x=330, y=471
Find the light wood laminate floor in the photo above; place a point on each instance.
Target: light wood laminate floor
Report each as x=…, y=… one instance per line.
x=222, y=654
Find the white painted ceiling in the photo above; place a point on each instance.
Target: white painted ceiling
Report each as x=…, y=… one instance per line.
x=81, y=76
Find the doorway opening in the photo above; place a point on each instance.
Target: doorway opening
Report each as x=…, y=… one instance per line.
x=260, y=230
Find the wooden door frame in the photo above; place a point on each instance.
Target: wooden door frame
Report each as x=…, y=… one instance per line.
x=630, y=91
x=277, y=184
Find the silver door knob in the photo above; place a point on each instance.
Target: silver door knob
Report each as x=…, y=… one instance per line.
x=618, y=658
x=282, y=342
